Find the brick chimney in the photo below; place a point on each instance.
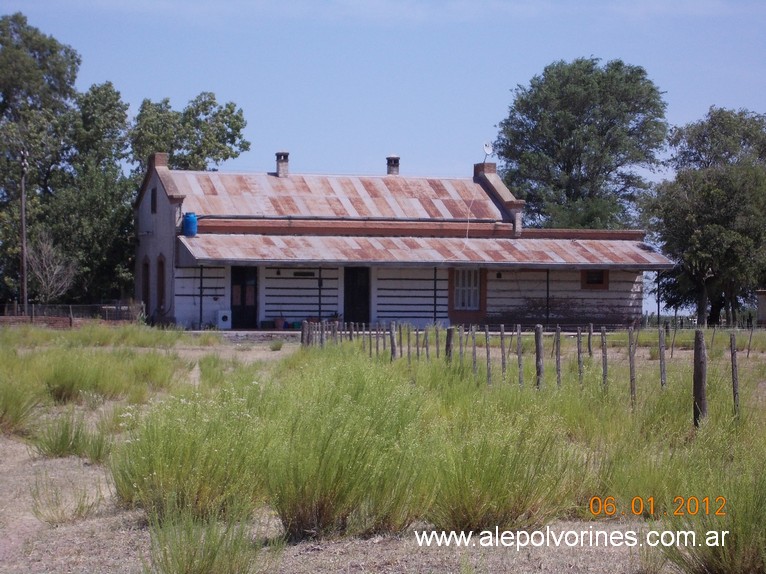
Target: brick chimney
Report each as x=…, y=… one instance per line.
x=282, y=163
x=484, y=168
x=392, y=165
x=485, y=174
x=158, y=160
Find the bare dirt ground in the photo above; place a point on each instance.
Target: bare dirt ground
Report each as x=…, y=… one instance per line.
x=115, y=540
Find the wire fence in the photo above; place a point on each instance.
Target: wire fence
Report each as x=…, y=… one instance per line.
x=116, y=311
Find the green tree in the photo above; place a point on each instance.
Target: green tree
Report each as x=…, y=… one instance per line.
x=37, y=90
x=100, y=126
x=91, y=221
x=199, y=137
x=78, y=146
x=711, y=219
x=573, y=141
x=723, y=137
x=36, y=71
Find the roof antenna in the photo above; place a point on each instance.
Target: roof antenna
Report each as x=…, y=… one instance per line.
x=488, y=150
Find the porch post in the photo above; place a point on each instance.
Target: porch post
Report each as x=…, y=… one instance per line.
x=547, y=297
x=319, y=285
x=435, y=284
x=200, y=297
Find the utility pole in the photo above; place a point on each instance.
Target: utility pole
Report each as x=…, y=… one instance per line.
x=24, y=168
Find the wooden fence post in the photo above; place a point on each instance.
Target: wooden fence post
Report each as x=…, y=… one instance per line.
x=460, y=341
x=425, y=342
x=377, y=340
x=448, y=344
x=749, y=341
x=734, y=374
x=417, y=342
x=700, y=377
x=502, y=351
x=392, y=335
x=473, y=343
x=579, y=355
x=401, y=347
x=519, y=355
x=409, y=333
x=590, y=339
x=632, y=343
x=539, y=352
x=323, y=326
x=604, y=369
x=663, y=373
x=489, y=354
x=436, y=339
x=557, y=345
x=304, y=333
x=673, y=341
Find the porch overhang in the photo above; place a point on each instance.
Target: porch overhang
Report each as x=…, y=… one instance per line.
x=493, y=253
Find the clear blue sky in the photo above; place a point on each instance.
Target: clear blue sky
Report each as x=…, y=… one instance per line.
x=340, y=84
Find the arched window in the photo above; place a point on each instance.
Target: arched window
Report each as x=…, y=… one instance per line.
x=145, y=278
x=161, y=283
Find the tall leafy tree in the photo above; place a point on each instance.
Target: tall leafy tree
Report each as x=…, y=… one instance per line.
x=575, y=138
x=90, y=216
x=91, y=220
x=79, y=143
x=36, y=71
x=37, y=92
x=711, y=219
x=200, y=137
x=100, y=126
x=723, y=137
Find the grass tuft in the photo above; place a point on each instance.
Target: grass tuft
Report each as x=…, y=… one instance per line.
x=68, y=435
x=55, y=505
x=181, y=541
x=17, y=405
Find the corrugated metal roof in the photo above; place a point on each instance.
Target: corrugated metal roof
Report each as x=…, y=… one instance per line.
x=266, y=195
x=235, y=249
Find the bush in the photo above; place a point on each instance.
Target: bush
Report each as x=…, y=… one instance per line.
x=17, y=403
x=181, y=541
x=744, y=488
x=342, y=453
x=67, y=435
x=493, y=471
x=276, y=345
x=195, y=454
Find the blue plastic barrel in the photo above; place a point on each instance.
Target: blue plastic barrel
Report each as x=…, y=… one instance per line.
x=190, y=224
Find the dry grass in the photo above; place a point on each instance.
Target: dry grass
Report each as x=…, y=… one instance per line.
x=93, y=533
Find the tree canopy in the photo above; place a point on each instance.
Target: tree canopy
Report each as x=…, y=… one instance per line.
x=36, y=71
x=573, y=141
x=79, y=198
x=199, y=137
x=711, y=219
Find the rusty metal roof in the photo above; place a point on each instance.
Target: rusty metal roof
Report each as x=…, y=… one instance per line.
x=266, y=195
x=237, y=249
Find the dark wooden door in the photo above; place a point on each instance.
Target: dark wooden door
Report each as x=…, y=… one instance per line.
x=244, y=297
x=356, y=294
